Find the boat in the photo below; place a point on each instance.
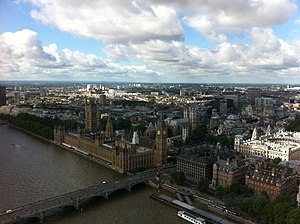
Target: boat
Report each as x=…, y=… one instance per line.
x=191, y=218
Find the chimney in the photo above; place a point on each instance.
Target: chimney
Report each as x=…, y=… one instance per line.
x=273, y=171
x=265, y=165
x=285, y=170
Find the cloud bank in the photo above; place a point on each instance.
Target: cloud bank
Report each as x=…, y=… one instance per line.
x=152, y=33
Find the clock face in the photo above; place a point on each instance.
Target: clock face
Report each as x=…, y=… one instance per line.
x=164, y=132
x=158, y=132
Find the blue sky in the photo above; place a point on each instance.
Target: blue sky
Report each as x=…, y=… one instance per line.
x=238, y=41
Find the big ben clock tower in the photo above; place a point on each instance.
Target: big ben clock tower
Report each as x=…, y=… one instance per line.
x=160, y=153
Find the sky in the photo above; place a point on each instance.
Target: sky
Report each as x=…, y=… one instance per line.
x=165, y=41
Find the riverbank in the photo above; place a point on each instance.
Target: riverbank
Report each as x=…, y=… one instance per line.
x=89, y=157
x=206, y=201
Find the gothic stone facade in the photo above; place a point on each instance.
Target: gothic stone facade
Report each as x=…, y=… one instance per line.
x=121, y=154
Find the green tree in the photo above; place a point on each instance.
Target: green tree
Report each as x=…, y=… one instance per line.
x=198, y=135
x=203, y=185
x=121, y=124
x=294, y=126
x=281, y=211
x=178, y=177
x=260, y=202
x=293, y=216
x=276, y=160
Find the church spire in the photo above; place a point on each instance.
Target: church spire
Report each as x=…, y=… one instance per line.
x=254, y=134
x=269, y=130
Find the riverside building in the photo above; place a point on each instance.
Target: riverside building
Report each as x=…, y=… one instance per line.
x=282, y=144
x=121, y=154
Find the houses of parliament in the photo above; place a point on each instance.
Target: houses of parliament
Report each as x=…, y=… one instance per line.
x=120, y=153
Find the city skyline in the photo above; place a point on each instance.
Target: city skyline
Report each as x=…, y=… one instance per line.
x=150, y=41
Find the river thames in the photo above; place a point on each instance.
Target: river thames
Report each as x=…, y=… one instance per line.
x=32, y=169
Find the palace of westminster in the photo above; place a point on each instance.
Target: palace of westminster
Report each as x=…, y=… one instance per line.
x=120, y=153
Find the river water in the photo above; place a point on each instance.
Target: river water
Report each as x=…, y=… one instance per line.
x=32, y=169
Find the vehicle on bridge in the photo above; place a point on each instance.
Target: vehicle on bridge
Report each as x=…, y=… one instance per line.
x=9, y=211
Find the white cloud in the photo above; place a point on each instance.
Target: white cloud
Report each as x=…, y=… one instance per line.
x=22, y=55
x=266, y=55
x=150, y=33
x=214, y=19
x=115, y=21
x=123, y=21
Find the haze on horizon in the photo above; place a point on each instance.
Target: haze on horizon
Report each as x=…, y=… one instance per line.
x=173, y=41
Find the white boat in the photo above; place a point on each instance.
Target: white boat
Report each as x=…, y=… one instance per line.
x=191, y=218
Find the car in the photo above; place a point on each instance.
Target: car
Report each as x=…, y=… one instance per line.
x=104, y=182
x=9, y=211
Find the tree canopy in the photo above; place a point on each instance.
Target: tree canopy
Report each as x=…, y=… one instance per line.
x=203, y=185
x=178, y=177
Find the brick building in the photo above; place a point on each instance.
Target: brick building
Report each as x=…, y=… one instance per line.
x=225, y=172
x=272, y=178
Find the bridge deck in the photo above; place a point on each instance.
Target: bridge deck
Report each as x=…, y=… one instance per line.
x=74, y=198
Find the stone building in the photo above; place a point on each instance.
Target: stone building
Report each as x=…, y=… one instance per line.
x=92, y=115
x=285, y=145
x=272, y=178
x=225, y=172
x=121, y=154
x=195, y=167
x=295, y=164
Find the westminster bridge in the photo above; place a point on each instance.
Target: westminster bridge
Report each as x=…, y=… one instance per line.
x=78, y=197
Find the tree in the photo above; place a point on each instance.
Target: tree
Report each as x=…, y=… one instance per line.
x=276, y=160
x=294, y=126
x=121, y=124
x=221, y=191
x=259, y=204
x=198, y=135
x=203, y=185
x=293, y=216
x=281, y=211
x=178, y=177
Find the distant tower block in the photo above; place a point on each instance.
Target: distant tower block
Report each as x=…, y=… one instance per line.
x=161, y=148
x=16, y=97
x=102, y=99
x=192, y=115
x=92, y=115
x=109, y=131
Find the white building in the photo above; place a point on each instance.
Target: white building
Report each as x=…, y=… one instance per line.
x=285, y=145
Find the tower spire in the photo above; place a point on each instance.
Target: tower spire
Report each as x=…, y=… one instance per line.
x=109, y=132
x=254, y=134
x=160, y=153
x=268, y=131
